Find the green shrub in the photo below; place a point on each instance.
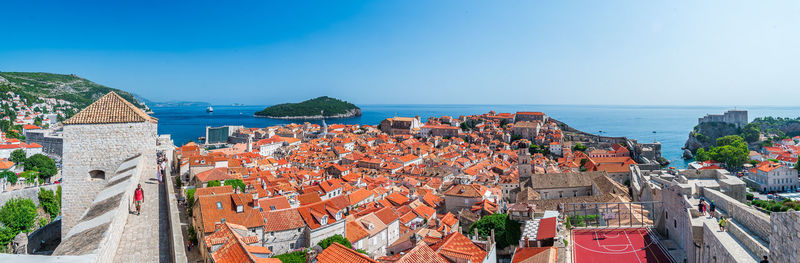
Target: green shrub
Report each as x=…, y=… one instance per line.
x=293, y=257
x=506, y=231
x=49, y=201
x=325, y=243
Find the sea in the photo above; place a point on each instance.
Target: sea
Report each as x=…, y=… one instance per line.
x=669, y=125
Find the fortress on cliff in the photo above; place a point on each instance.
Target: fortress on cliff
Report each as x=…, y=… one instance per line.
x=735, y=117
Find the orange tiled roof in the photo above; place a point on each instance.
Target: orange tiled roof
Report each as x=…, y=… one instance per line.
x=458, y=247
x=422, y=253
x=110, y=108
x=355, y=231
x=535, y=255
x=337, y=253
x=281, y=220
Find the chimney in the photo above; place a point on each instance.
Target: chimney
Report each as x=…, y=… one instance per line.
x=476, y=234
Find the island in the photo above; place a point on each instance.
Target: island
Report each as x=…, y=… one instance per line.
x=318, y=108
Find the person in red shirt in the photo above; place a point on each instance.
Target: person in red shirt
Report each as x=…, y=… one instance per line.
x=138, y=197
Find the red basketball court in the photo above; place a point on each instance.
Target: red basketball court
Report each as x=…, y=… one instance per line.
x=618, y=246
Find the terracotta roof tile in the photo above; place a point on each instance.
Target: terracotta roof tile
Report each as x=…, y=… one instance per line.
x=281, y=220
x=110, y=108
x=422, y=253
x=337, y=253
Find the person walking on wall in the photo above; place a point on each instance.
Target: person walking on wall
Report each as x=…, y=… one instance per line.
x=711, y=208
x=722, y=223
x=138, y=198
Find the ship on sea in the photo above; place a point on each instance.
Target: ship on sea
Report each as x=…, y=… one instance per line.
x=209, y=109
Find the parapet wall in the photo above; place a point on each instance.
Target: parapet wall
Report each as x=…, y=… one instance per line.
x=28, y=193
x=748, y=217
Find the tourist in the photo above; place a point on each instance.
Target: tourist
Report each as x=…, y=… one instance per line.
x=764, y=261
x=711, y=208
x=701, y=207
x=158, y=176
x=138, y=197
x=164, y=167
x=722, y=223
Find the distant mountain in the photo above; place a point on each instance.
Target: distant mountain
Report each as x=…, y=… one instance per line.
x=311, y=109
x=81, y=92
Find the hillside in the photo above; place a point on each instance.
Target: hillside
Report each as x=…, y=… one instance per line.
x=310, y=109
x=79, y=91
x=705, y=135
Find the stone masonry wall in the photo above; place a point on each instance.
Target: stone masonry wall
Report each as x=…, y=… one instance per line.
x=101, y=147
x=746, y=216
x=27, y=193
x=279, y=242
x=785, y=238
x=713, y=250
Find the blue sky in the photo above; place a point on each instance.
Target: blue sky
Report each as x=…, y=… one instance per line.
x=735, y=53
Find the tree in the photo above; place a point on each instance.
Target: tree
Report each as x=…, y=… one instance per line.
x=48, y=200
x=579, y=147
x=10, y=176
x=17, y=156
x=506, y=230
x=236, y=183
x=4, y=125
x=213, y=183
x=701, y=155
x=42, y=164
x=18, y=214
x=503, y=123
x=464, y=126
x=797, y=166
x=751, y=132
x=293, y=257
x=12, y=134
x=731, y=150
x=335, y=239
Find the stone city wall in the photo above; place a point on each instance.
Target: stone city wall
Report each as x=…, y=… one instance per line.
x=713, y=250
x=108, y=247
x=28, y=193
x=751, y=242
x=785, y=238
x=103, y=147
x=745, y=216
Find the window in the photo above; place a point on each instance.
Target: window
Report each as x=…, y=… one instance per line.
x=291, y=246
x=270, y=248
x=675, y=224
x=222, y=220
x=666, y=215
x=219, y=205
x=97, y=174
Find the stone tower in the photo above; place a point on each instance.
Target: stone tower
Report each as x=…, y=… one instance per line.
x=524, y=163
x=96, y=141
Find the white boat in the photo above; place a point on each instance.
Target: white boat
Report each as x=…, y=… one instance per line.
x=209, y=109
